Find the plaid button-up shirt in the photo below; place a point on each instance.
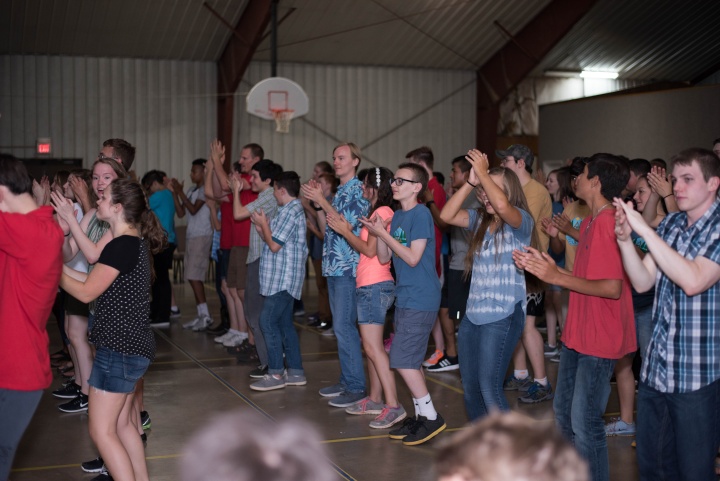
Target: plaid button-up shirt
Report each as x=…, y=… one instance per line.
x=284, y=270
x=684, y=350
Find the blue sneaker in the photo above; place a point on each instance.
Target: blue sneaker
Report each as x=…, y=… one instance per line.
x=347, y=399
x=332, y=391
x=537, y=393
x=618, y=427
x=514, y=384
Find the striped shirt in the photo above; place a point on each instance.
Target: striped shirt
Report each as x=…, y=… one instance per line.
x=684, y=350
x=284, y=270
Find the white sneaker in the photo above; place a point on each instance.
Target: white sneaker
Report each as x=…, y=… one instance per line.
x=235, y=340
x=224, y=337
x=203, y=323
x=191, y=324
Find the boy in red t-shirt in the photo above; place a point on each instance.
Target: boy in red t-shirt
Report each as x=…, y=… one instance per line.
x=600, y=327
x=30, y=267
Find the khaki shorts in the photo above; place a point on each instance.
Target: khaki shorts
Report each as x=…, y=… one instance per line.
x=197, y=257
x=237, y=269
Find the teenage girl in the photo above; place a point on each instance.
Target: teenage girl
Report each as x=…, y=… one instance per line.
x=495, y=314
x=121, y=334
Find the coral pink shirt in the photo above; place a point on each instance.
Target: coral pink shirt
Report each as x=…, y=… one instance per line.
x=369, y=269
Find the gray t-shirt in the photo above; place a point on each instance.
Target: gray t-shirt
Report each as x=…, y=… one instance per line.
x=198, y=224
x=460, y=238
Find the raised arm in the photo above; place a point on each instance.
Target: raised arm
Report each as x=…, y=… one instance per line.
x=240, y=212
x=411, y=254
x=341, y=226
x=496, y=196
x=97, y=282
x=641, y=272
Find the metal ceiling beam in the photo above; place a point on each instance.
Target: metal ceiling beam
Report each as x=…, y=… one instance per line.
x=512, y=63
x=234, y=62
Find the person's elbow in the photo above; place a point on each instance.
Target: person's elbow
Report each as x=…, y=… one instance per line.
x=615, y=290
x=92, y=258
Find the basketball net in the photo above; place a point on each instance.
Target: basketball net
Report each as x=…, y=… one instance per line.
x=282, y=119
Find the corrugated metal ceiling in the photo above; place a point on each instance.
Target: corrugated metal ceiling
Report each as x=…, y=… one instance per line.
x=642, y=39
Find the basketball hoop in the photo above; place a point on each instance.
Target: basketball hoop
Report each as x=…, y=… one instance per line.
x=282, y=119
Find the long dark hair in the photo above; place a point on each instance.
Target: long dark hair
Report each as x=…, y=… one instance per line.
x=516, y=197
x=378, y=178
x=564, y=180
x=131, y=196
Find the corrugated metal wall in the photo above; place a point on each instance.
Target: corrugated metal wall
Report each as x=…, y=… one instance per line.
x=165, y=108
x=386, y=111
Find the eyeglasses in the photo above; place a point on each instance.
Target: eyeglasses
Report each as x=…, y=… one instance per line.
x=399, y=181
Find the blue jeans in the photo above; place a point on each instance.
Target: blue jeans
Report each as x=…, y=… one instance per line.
x=276, y=323
x=678, y=433
x=582, y=392
x=644, y=329
x=117, y=372
x=343, y=306
x=16, y=411
x=485, y=351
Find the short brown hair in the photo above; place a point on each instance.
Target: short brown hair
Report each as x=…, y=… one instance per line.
x=255, y=150
x=419, y=174
x=422, y=154
x=510, y=447
x=123, y=150
x=706, y=159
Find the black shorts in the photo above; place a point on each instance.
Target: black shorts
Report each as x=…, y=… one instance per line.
x=455, y=294
x=536, y=303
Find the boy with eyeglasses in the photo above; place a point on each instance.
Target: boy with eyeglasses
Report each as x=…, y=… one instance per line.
x=411, y=245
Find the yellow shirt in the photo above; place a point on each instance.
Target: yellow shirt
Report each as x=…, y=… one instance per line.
x=540, y=205
x=576, y=212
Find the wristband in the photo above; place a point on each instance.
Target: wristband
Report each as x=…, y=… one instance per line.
x=68, y=234
x=427, y=204
x=668, y=196
x=317, y=207
x=471, y=184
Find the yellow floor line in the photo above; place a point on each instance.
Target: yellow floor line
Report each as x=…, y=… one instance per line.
x=452, y=388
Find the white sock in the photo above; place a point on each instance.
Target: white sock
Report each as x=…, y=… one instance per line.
x=542, y=381
x=202, y=310
x=427, y=408
x=234, y=332
x=521, y=374
x=243, y=335
x=417, y=407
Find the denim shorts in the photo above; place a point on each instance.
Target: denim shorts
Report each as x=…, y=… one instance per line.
x=373, y=301
x=117, y=372
x=412, y=332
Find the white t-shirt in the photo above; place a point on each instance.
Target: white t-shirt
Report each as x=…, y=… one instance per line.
x=199, y=224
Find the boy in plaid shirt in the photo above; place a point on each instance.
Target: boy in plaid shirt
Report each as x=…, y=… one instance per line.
x=282, y=271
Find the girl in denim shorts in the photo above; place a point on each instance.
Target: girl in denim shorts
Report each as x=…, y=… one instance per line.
x=121, y=332
x=375, y=291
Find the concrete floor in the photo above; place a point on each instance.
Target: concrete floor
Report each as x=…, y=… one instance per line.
x=193, y=379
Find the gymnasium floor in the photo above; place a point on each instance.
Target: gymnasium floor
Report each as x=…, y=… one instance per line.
x=193, y=378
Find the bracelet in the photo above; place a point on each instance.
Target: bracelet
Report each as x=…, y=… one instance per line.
x=668, y=196
x=317, y=207
x=427, y=204
x=474, y=186
x=68, y=234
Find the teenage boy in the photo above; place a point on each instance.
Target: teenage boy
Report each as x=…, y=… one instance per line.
x=262, y=177
x=339, y=266
x=411, y=245
x=199, y=240
x=456, y=288
x=30, y=267
x=600, y=327
x=678, y=425
x=282, y=271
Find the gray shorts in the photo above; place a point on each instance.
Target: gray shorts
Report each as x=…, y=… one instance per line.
x=412, y=332
x=197, y=257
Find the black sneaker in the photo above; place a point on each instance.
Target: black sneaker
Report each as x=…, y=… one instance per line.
x=69, y=390
x=247, y=353
x=424, y=430
x=103, y=476
x=404, y=430
x=77, y=405
x=259, y=372
x=145, y=420
x=94, y=466
x=446, y=363
x=324, y=325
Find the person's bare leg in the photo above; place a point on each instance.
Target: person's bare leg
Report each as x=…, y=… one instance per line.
x=551, y=316
x=232, y=313
x=533, y=344
x=103, y=426
x=415, y=380
x=243, y=324
x=77, y=327
x=198, y=291
x=372, y=339
x=519, y=357
x=626, y=388
x=448, y=329
x=437, y=335
x=238, y=308
x=139, y=398
x=127, y=432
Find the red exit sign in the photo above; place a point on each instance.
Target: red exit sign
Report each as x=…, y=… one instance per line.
x=44, y=146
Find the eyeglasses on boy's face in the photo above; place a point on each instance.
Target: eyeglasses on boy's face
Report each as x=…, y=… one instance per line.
x=399, y=181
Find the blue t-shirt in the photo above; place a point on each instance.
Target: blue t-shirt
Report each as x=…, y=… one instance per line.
x=339, y=259
x=497, y=284
x=161, y=202
x=416, y=287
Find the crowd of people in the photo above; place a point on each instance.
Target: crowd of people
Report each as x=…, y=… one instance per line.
x=472, y=266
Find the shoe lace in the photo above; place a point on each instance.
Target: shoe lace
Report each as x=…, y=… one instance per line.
x=383, y=414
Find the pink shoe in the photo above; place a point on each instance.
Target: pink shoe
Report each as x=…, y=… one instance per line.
x=387, y=343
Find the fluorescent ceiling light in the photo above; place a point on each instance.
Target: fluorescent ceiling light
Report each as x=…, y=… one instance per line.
x=598, y=74
x=562, y=73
